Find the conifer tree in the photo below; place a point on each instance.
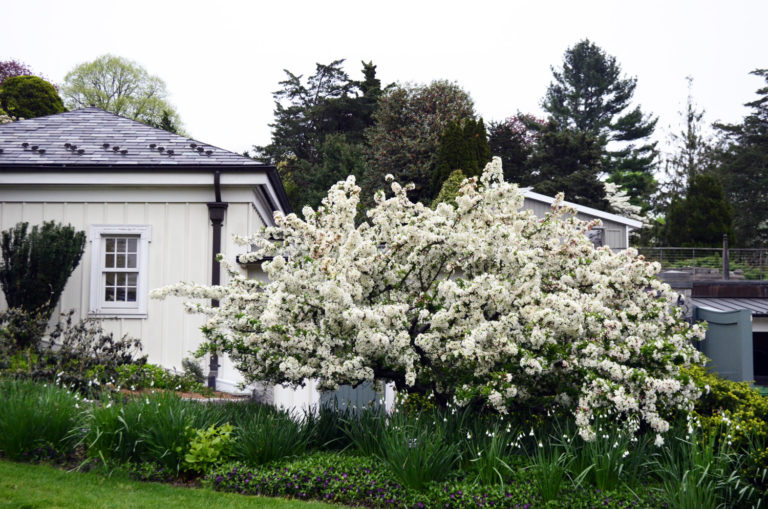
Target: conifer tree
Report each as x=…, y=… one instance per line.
x=744, y=170
x=463, y=146
x=569, y=161
x=590, y=95
x=702, y=217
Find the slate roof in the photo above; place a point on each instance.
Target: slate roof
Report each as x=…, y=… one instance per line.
x=94, y=137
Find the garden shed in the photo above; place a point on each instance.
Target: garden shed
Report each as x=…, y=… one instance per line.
x=155, y=207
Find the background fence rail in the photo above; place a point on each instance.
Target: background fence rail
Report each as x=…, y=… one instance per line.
x=707, y=263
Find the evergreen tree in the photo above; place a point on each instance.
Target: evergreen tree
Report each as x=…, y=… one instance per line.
x=693, y=153
x=464, y=146
x=36, y=265
x=569, y=161
x=514, y=140
x=744, y=170
x=450, y=189
x=590, y=95
x=310, y=111
x=29, y=97
x=702, y=217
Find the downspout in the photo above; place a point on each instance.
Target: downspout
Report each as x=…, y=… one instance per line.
x=216, y=212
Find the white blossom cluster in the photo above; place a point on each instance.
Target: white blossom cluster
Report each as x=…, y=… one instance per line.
x=618, y=199
x=479, y=302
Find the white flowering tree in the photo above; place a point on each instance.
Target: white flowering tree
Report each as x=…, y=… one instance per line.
x=482, y=302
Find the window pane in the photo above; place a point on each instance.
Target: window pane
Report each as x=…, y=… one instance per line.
x=120, y=294
x=131, y=295
x=120, y=260
x=110, y=246
x=109, y=294
x=120, y=278
x=109, y=261
x=120, y=245
x=110, y=279
x=132, y=243
x=131, y=278
x=131, y=261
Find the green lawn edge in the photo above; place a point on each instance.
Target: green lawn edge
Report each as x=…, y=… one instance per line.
x=25, y=486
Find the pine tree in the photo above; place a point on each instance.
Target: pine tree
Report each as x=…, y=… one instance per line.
x=569, y=161
x=590, y=95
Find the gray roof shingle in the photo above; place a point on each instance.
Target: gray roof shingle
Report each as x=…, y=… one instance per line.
x=97, y=138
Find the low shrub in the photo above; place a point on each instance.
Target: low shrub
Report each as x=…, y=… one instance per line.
x=353, y=480
x=209, y=447
x=37, y=420
x=331, y=477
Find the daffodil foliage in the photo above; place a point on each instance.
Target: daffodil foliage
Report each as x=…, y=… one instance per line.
x=480, y=302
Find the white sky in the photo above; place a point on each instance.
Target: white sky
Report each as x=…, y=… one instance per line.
x=222, y=60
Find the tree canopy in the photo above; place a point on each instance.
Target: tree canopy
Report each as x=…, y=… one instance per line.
x=405, y=138
x=589, y=94
x=701, y=217
x=535, y=317
x=744, y=169
x=11, y=68
x=120, y=86
x=317, y=119
x=29, y=97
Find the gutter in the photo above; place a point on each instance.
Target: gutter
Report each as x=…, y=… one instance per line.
x=216, y=213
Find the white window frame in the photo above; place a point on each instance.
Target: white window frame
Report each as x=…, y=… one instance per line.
x=98, y=306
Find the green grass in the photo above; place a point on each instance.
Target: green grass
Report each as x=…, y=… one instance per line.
x=39, y=486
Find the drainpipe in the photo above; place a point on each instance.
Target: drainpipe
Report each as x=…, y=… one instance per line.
x=216, y=212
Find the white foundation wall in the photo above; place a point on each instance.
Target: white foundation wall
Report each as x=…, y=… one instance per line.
x=180, y=250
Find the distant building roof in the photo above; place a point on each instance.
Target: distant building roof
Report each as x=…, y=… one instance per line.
x=94, y=137
x=758, y=307
x=632, y=223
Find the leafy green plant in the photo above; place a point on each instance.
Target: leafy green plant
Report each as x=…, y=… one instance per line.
x=324, y=427
x=208, y=447
x=267, y=437
x=415, y=452
x=35, y=417
x=157, y=427
x=487, y=452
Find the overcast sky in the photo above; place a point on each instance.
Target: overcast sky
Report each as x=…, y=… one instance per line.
x=223, y=59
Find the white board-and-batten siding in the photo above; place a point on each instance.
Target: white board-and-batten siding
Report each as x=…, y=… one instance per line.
x=179, y=250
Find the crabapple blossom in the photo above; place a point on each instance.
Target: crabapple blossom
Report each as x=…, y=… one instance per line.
x=482, y=302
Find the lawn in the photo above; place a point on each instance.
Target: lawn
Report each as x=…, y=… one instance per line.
x=40, y=486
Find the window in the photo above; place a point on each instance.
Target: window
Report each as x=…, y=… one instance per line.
x=597, y=236
x=119, y=255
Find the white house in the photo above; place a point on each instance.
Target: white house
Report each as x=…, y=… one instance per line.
x=157, y=207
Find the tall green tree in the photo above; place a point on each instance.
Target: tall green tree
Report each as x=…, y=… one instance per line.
x=590, y=94
x=514, y=140
x=405, y=138
x=120, y=86
x=692, y=153
x=464, y=146
x=308, y=113
x=29, y=97
x=702, y=217
x=570, y=161
x=744, y=169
